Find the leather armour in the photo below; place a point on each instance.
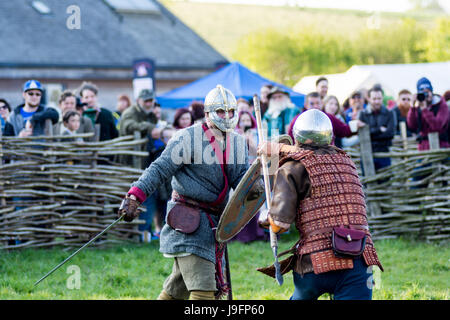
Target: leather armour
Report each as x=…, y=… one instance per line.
x=336, y=199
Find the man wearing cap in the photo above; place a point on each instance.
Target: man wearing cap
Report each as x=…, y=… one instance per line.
x=429, y=113
x=204, y=161
x=356, y=103
x=280, y=112
x=28, y=119
x=140, y=117
x=316, y=186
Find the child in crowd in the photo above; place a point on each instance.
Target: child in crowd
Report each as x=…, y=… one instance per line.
x=71, y=122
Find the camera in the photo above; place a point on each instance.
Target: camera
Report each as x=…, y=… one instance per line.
x=421, y=96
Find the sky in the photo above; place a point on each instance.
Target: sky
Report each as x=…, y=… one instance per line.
x=365, y=5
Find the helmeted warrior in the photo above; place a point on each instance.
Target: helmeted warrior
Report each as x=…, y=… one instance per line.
x=204, y=161
x=317, y=187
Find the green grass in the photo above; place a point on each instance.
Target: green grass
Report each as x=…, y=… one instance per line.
x=413, y=270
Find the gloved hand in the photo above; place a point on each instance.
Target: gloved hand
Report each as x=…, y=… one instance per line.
x=275, y=227
x=265, y=221
x=129, y=208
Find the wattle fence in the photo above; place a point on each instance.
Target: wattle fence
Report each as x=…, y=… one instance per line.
x=59, y=192
x=411, y=197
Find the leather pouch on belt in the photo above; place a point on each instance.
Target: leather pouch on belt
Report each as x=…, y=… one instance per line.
x=183, y=218
x=348, y=243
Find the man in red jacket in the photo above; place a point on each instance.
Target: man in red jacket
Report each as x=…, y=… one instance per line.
x=429, y=113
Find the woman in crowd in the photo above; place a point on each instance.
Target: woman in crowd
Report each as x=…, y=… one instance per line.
x=247, y=126
x=182, y=119
x=68, y=102
x=197, y=110
x=331, y=105
x=5, y=110
x=123, y=102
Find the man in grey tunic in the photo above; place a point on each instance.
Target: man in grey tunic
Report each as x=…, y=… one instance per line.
x=204, y=161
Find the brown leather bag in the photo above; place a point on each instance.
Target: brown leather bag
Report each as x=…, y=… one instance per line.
x=184, y=218
x=348, y=243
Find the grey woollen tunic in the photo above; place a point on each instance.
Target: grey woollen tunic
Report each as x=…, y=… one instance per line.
x=189, y=160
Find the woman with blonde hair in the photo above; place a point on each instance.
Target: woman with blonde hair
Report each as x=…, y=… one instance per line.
x=332, y=106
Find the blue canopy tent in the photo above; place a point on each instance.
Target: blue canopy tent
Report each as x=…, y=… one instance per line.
x=234, y=76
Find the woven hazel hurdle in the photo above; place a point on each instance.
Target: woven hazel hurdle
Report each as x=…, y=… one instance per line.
x=410, y=197
x=59, y=192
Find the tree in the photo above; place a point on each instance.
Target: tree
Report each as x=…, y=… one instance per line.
x=427, y=5
x=437, y=43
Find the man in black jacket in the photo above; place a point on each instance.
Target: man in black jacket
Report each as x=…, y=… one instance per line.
x=98, y=115
x=29, y=118
x=382, y=125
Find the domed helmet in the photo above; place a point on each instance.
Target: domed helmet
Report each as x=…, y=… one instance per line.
x=313, y=127
x=223, y=101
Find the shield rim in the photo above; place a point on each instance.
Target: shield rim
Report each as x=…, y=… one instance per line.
x=280, y=139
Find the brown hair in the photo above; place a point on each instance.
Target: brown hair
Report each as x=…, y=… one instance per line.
x=70, y=114
x=328, y=98
x=198, y=110
x=404, y=91
x=447, y=95
x=313, y=94
x=178, y=115
x=88, y=86
x=66, y=94
x=126, y=98
x=320, y=80
x=375, y=88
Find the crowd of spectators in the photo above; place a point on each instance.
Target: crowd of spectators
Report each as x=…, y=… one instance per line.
x=423, y=111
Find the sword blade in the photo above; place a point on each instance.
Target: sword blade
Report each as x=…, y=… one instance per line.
x=76, y=252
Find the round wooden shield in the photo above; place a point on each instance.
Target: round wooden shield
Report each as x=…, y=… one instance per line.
x=239, y=209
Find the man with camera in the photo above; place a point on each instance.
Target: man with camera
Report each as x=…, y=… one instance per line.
x=429, y=113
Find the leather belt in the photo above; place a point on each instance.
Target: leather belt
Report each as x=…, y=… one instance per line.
x=176, y=197
x=330, y=229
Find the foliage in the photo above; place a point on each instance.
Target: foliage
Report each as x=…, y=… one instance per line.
x=413, y=270
x=437, y=43
x=287, y=56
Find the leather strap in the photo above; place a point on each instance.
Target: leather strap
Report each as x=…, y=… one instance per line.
x=330, y=229
x=176, y=197
x=223, y=159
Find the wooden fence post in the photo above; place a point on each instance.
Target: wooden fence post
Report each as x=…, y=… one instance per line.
x=404, y=135
x=137, y=160
x=433, y=139
x=368, y=165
